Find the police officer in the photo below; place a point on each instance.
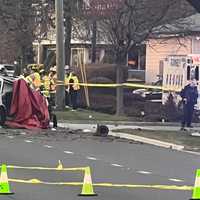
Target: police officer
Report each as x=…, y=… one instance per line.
x=189, y=97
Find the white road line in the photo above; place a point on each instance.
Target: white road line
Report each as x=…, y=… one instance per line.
x=10, y=136
x=28, y=141
x=91, y=158
x=47, y=146
x=175, y=180
x=68, y=152
x=144, y=172
x=116, y=165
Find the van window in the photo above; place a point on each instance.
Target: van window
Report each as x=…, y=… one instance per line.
x=181, y=80
x=197, y=73
x=174, y=79
x=167, y=79
x=188, y=73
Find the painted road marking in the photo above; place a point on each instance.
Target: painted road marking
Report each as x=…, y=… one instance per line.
x=91, y=158
x=175, y=180
x=116, y=165
x=10, y=136
x=144, y=172
x=28, y=141
x=68, y=152
x=47, y=146
x=160, y=187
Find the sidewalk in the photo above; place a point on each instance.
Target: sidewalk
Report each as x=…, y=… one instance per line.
x=167, y=135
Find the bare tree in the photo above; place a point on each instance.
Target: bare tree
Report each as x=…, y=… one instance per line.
x=132, y=23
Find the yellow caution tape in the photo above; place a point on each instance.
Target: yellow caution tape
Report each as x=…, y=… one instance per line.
x=46, y=168
x=114, y=85
x=160, y=187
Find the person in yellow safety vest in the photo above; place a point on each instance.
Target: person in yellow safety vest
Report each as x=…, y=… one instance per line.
x=73, y=88
x=45, y=83
x=67, y=100
x=53, y=80
x=36, y=79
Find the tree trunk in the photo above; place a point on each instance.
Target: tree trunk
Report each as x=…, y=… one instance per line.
x=119, y=95
x=120, y=62
x=94, y=40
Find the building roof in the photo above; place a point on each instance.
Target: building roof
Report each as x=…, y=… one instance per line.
x=182, y=27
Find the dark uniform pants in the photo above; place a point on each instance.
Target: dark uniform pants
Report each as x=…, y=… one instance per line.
x=73, y=98
x=188, y=110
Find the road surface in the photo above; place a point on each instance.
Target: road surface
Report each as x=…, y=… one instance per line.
x=111, y=160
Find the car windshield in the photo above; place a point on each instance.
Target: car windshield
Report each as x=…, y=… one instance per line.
x=9, y=67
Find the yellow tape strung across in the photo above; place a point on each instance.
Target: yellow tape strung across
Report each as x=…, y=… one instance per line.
x=114, y=85
x=161, y=187
x=46, y=168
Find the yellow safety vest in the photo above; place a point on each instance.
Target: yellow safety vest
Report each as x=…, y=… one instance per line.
x=75, y=85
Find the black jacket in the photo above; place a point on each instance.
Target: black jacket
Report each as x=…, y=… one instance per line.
x=190, y=94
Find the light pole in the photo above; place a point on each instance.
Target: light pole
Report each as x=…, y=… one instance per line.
x=60, y=58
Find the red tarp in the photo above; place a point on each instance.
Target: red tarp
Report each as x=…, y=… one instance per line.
x=28, y=108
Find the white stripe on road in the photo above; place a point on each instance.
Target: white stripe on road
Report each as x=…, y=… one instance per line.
x=68, y=152
x=91, y=158
x=11, y=137
x=47, y=146
x=144, y=172
x=116, y=165
x=28, y=141
x=175, y=180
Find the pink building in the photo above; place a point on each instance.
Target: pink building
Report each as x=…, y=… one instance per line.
x=162, y=45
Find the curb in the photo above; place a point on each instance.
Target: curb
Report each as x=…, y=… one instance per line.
x=147, y=141
x=139, y=139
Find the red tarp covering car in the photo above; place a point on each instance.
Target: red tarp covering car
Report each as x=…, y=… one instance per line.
x=29, y=108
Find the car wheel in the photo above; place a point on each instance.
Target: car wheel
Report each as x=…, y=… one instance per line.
x=2, y=115
x=102, y=131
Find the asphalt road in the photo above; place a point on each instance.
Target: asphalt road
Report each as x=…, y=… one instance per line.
x=111, y=160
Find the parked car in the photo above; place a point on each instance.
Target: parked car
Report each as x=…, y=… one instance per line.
x=149, y=94
x=6, y=91
x=7, y=70
x=6, y=86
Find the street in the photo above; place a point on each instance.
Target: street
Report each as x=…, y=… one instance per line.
x=111, y=160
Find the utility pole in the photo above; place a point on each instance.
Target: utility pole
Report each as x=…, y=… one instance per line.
x=60, y=57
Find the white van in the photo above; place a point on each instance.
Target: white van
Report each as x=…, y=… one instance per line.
x=178, y=71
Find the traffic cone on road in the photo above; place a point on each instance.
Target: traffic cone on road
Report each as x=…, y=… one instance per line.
x=196, y=189
x=87, y=189
x=4, y=185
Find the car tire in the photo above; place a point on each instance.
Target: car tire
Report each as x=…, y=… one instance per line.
x=102, y=131
x=2, y=115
